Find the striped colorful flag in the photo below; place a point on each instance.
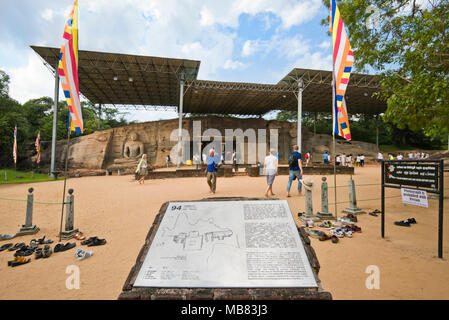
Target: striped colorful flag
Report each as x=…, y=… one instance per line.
x=14, y=151
x=343, y=60
x=68, y=71
x=38, y=147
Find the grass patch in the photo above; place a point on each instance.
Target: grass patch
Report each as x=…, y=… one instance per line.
x=14, y=176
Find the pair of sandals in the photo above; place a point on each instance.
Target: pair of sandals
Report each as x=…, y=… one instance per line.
x=406, y=223
x=5, y=237
x=324, y=237
x=93, y=242
x=43, y=253
x=6, y=246
x=375, y=213
x=79, y=236
x=81, y=254
x=64, y=247
x=18, y=260
x=352, y=217
x=40, y=241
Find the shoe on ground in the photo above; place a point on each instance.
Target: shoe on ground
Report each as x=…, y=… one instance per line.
x=338, y=233
x=403, y=223
x=347, y=232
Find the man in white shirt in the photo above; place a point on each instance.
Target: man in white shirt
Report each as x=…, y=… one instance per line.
x=410, y=156
x=400, y=157
x=380, y=156
x=270, y=168
x=343, y=160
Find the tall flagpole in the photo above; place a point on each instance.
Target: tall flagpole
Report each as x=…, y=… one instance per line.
x=334, y=118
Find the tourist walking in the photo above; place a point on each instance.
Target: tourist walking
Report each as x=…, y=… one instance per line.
x=295, y=169
x=326, y=158
x=167, y=160
x=196, y=160
x=349, y=161
x=362, y=160
x=357, y=161
x=211, y=171
x=234, y=161
x=270, y=168
x=142, y=169
x=337, y=160
x=343, y=159
x=380, y=157
x=307, y=157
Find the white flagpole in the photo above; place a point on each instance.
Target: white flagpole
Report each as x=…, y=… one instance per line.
x=333, y=121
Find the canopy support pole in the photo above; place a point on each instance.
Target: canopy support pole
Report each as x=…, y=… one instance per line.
x=181, y=102
x=55, y=123
x=99, y=116
x=299, y=126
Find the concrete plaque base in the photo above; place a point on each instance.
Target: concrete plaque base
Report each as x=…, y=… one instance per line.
x=67, y=235
x=24, y=231
x=174, y=277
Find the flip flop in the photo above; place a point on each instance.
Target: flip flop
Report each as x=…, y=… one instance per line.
x=64, y=247
x=5, y=237
x=19, y=261
x=6, y=246
x=86, y=242
x=334, y=239
x=47, y=251
x=97, y=242
x=17, y=246
x=39, y=253
x=80, y=236
x=324, y=237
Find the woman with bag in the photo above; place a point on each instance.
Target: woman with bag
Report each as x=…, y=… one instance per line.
x=142, y=168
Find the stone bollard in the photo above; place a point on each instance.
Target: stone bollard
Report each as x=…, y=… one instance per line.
x=28, y=228
x=324, y=213
x=69, y=230
x=352, y=199
x=308, y=184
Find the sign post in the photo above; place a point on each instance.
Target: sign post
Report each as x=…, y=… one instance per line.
x=426, y=176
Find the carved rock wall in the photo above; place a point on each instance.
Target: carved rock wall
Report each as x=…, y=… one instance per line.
x=105, y=149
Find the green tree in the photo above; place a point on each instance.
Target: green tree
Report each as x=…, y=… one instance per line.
x=408, y=45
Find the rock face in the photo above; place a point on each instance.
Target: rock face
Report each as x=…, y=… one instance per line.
x=122, y=148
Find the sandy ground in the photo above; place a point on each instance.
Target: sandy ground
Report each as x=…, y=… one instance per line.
x=120, y=210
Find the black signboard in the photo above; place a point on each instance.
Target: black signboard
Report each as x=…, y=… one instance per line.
x=423, y=175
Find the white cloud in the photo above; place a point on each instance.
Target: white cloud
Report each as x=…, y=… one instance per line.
x=250, y=47
x=325, y=44
x=33, y=80
x=206, y=18
x=232, y=65
x=47, y=14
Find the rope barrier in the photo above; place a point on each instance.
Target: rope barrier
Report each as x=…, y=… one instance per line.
x=365, y=200
x=37, y=202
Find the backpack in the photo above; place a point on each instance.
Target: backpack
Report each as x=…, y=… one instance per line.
x=291, y=160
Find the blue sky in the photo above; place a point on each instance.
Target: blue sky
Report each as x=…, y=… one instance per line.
x=236, y=40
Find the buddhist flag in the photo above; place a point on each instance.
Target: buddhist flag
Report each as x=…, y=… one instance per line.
x=37, y=144
x=343, y=60
x=14, y=148
x=68, y=70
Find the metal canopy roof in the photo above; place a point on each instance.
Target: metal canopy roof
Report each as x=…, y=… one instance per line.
x=317, y=91
x=156, y=83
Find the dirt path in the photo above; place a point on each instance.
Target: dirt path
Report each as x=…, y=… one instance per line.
x=120, y=210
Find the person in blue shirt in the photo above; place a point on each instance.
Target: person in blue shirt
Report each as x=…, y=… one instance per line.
x=326, y=158
x=212, y=168
x=295, y=169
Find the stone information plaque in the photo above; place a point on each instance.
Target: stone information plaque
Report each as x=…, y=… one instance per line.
x=226, y=244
